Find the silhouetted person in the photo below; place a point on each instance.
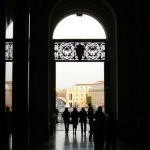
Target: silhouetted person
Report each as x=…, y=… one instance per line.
x=99, y=129
x=111, y=132
x=8, y=127
x=74, y=119
x=90, y=117
x=83, y=120
x=66, y=118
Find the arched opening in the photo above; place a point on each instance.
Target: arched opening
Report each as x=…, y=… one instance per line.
x=101, y=15
x=79, y=83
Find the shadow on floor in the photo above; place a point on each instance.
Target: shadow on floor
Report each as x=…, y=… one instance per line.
x=61, y=141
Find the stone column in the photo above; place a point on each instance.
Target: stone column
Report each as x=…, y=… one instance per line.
x=20, y=75
x=38, y=70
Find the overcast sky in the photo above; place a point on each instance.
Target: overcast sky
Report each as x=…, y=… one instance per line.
x=76, y=27
x=8, y=71
x=68, y=74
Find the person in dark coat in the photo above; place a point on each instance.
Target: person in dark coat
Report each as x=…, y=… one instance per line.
x=74, y=119
x=99, y=129
x=111, y=132
x=66, y=118
x=83, y=120
x=90, y=117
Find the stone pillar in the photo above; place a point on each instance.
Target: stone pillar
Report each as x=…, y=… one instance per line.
x=52, y=96
x=20, y=75
x=38, y=72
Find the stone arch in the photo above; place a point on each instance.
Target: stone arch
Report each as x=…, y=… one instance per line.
x=101, y=11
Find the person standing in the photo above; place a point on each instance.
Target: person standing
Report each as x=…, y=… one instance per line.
x=74, y=119
x=90, y=117
x=66, y=118
x=99, y=129
x=83, y=120
x=111, y=132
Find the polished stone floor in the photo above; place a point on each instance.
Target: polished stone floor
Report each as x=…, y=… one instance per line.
x=61, y=141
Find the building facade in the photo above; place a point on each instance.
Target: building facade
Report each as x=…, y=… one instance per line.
x=81, y=94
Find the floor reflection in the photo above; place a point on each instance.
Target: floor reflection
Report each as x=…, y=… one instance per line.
x=70, y=141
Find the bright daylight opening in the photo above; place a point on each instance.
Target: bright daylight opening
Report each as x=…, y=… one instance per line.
x=78, y=83
x=79, y=27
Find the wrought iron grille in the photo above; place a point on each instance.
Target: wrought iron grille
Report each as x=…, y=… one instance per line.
x=70, y=50
x=79, y=50
x=9, y=50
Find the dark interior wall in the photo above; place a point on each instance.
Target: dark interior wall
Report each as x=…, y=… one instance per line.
x=125, y=49
x=133, y=112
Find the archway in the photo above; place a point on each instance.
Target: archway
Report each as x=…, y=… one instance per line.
x=83, y=79
x=107, y=18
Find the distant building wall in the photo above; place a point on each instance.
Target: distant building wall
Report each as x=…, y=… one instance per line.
x=77, y=95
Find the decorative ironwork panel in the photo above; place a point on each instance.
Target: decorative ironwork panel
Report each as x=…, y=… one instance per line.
x=79, y=50
x=8, y=51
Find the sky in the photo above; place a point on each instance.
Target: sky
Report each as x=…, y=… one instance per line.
x=68, y=74
x=8, y=71
x=71, y=73
x=76, y=27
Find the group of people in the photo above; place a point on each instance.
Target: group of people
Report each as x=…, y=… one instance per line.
x=73, y=118
x=103, y=127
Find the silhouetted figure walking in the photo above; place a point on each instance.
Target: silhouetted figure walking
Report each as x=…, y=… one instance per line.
x=74, y=119
x=99, y=129
x=111, y=132
x=83, y=120
x=90, y=117
x=66, y=118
